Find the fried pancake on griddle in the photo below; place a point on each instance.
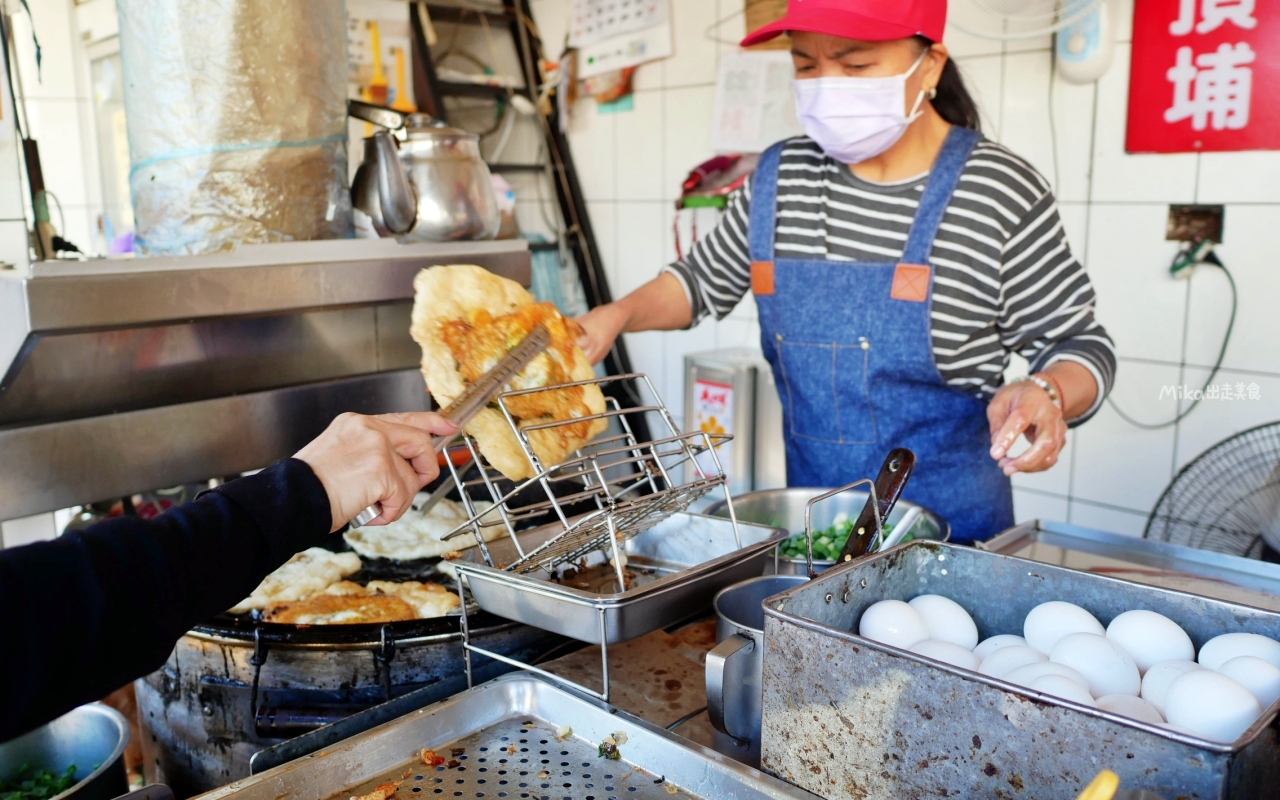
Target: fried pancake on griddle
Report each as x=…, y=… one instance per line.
x=341, y=609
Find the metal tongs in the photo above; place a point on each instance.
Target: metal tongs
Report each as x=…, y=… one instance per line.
x=474, y=399
x=868, y=535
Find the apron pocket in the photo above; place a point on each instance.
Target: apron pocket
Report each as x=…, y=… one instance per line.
x=826, y=392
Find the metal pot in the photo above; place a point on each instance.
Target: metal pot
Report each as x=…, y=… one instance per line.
x=734, y=664
x=442, y=189
x=246, y=687
x=784, y=508
x=88, y=736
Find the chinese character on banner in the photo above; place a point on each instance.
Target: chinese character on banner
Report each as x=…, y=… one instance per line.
x=1202, y=76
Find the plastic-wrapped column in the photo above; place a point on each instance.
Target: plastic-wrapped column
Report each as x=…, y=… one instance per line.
x=236, y=114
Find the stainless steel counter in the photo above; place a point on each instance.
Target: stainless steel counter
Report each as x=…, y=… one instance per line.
x=122, y=376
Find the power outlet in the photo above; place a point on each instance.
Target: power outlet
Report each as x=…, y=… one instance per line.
x=1188, y=223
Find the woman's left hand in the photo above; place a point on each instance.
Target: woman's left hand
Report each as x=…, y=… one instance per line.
x=1024, y=407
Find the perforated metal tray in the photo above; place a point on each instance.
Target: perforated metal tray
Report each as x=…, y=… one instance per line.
x=500, y=741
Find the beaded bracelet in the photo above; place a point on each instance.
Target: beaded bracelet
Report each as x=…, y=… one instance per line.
x=1050, y=384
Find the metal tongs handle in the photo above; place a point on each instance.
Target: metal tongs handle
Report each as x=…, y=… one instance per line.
x=477, y=396
x=813, y=501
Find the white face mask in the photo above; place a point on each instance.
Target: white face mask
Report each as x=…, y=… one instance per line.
x=853, y=119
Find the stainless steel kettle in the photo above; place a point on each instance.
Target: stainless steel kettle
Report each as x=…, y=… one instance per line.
x=434, y=186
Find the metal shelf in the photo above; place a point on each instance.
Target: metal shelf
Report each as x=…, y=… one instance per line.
x=460, y=15
x=517, y=167
x=482, y=90
x=123, y=376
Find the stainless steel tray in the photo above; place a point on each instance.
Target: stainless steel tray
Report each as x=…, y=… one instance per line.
x=848, y=717
x=507, y=729
x=679, y=564
x=1170, y=566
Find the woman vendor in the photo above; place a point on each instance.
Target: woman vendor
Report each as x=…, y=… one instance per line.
x=897, y=258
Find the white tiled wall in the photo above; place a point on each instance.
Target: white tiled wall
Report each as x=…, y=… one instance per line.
x=1114, y=207
x=60, y=115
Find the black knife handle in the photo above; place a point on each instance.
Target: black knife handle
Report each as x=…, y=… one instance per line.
x=895, y=471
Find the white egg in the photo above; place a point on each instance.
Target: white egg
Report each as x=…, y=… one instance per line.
x=1007, y=659
x=1108, y=668
x=1049, y=622
x=1261, y=678
x=947, y=620
x=1126, y=705
x=947, y=652
x=1221, y=649
x=1150, y=638
x=993, y=643
x=1211, y=705
x=1155, y=684
x=893, y=622
x=1058, y=686
x=1023, y=676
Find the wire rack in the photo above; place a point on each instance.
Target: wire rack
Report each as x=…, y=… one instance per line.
x=610, y=490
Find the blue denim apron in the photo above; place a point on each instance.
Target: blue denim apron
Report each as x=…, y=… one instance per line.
x=852, y=355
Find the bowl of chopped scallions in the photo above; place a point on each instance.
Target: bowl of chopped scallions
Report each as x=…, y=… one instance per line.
x=832, y=522
x=79, y=755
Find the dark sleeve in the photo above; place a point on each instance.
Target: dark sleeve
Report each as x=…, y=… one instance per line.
x=86, y=613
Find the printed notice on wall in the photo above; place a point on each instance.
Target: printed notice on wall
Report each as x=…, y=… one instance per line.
x=754, y=104
x=592, y=21
x=615, y=34
x=713, y=413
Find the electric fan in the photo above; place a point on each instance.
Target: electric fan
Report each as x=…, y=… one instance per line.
x=1019, y=19
x=1227, y=499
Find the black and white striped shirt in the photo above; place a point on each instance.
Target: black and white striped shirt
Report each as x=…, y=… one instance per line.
x=1005, y=280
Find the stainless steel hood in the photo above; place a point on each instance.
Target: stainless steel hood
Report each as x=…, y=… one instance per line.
x=124, y=376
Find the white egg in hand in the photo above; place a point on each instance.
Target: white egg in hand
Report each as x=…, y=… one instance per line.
x=1007, y=659
x=1221, y=649
x=1155, y=684
x=947, y=652
x=1023, y=676
x=1211, y=706
x=1150, y=638
x=947, y=620
x=1108, y=668
x=1126, y=705
x=1065, y=688
x=1261, y=678
x=993, y=643
x=1049, y=622
x=893, y=622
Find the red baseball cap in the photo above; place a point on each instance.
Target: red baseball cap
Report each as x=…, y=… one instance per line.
x=868, y=20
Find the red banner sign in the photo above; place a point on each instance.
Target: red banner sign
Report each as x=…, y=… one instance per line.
x=1204, y=76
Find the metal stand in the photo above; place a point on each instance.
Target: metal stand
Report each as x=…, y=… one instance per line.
x=468, y=648
x=634, y=485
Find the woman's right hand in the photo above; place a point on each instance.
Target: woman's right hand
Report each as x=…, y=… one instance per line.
x=385, y=459
x=600, y=327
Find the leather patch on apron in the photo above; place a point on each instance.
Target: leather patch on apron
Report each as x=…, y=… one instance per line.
x=762, y=278
x=910, y=282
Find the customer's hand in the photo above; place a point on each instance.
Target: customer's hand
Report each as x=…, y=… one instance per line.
x=385, y=459
x=600, y=327
x=1024, y=407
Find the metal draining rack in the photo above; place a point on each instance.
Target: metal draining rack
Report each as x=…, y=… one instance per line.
x=633, y=485
x=610, y=490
